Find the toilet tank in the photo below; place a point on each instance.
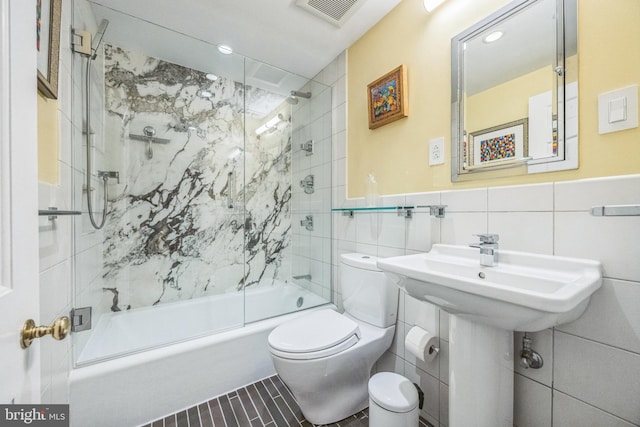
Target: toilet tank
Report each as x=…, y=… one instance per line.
x=367, y=293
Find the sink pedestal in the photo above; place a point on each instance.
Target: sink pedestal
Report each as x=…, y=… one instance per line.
x=480, y=375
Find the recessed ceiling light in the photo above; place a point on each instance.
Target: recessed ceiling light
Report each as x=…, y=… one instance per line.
x=212, y=77
x=223, y=48
x=429, y=5
x=490, y=38
x=205, y=94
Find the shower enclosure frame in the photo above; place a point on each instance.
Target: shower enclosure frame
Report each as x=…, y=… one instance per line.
x=304, y=270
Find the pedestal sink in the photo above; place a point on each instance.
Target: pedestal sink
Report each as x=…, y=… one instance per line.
x=523, y=292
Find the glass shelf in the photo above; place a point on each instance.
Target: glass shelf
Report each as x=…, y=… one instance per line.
x=372, y=209
x=406, y=211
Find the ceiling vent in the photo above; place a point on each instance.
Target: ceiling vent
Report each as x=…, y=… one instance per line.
x=336, y=12
x=268, y=74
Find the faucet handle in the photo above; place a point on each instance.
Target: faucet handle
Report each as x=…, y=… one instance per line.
x=488, y=238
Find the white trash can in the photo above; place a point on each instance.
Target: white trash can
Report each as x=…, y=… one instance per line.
x=393, y=401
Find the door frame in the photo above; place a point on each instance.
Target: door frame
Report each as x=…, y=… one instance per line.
x=19, y=254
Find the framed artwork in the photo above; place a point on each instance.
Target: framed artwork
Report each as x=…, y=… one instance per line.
x=48, y=45
x=499, y=143
x=387, y=98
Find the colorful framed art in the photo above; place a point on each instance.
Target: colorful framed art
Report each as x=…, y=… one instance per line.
x=499, y=144
x=48, y=45
x=387, y=98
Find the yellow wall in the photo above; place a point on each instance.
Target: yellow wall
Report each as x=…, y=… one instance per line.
x=48, y=169
x=397, y=154
x=506, y=102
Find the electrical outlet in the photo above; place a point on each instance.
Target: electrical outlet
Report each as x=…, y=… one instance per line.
x=436, y=151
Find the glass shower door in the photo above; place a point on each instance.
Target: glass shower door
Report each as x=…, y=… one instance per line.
x=168, y=116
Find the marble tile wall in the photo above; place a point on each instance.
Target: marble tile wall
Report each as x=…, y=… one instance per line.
x=177, y=226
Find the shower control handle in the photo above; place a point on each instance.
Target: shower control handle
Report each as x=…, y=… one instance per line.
x=105, y=175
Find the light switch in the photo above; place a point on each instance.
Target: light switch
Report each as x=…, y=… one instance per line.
x=618, y=110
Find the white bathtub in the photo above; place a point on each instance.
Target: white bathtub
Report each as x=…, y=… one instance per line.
x=134, y=389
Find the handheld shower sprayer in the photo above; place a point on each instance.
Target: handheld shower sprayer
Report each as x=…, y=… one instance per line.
x=99, y=35
x=82, y=44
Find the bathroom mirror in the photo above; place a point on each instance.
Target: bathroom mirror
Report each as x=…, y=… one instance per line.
x=514, y=92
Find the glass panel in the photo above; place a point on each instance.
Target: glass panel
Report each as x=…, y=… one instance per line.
x=288, y=157
x=168, y=116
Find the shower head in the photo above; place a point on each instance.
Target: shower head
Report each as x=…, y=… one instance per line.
x=99, y=35
x=305, y=95
x=293, y=98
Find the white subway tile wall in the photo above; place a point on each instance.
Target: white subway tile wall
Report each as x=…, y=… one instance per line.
x=591, y=365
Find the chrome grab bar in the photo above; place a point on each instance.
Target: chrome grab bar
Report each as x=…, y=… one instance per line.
x=53, y=213
x=615, y=210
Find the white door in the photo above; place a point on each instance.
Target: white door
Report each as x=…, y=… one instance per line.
x=19, y=369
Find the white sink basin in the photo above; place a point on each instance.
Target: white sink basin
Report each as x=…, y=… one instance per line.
x=524, y=292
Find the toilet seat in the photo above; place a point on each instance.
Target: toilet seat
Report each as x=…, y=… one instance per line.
x=319, y=334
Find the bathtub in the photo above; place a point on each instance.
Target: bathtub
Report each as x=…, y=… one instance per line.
x=137, y=388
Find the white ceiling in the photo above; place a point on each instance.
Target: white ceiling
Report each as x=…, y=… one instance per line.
x=276, y=32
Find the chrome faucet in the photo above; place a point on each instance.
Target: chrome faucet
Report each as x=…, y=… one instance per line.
x=488, y=249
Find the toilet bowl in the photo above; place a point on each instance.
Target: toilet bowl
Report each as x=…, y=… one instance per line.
x=325, y=358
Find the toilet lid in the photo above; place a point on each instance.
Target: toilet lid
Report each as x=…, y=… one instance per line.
x=324, y=331
x=393, y=392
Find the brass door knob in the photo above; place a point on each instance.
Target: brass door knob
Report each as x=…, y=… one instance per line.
x=58, y=330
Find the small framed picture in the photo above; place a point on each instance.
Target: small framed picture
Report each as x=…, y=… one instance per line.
x=499, y=143
x=48, y=14
x=387, y=98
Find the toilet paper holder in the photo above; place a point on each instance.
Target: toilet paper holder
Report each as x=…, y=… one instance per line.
x=434, y=349
x=422, y=344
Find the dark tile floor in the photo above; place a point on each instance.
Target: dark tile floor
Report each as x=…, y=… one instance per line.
x=266, y=403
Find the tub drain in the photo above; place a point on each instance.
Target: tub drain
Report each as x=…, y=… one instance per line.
x=300, y=302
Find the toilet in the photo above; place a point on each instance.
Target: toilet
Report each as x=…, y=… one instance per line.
x=324, y=357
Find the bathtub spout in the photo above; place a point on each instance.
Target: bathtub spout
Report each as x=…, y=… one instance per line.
x=304, y=276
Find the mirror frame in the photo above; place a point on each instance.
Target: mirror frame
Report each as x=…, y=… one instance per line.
x=568, y=152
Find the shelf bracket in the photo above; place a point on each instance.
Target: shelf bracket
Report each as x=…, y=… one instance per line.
x=406, y=211
x=435, y=210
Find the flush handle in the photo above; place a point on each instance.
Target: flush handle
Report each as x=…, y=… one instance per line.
x=58, y=330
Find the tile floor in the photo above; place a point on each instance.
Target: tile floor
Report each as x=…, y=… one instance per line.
x=266, y=403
